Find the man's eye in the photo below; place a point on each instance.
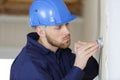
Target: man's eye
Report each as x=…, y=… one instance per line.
x=67, y=24
x=58, y=27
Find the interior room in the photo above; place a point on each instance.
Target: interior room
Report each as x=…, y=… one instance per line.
x=96, y=18
x=14, y=26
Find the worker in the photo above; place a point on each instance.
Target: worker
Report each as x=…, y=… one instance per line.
x=46, y=55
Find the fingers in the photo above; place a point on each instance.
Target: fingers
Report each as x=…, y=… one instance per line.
x=84, y=50
x=91, y=51
x=79, y=44
x=76, y=46
x=90, y=46
x=87, y=48
x=84, y=45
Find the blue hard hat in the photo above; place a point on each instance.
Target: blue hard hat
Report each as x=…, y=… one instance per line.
x=49, y=13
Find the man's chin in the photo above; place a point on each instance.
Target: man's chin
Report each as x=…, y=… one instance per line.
x=65, y=46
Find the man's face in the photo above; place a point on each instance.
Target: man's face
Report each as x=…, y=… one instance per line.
x=58, y=36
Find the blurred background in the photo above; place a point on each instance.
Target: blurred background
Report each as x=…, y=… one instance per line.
x=14, y=26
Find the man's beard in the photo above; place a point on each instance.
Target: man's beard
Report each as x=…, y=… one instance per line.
x=63, y=44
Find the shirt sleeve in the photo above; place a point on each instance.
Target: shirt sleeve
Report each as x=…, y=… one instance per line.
x=91, y=70
x=74, y=74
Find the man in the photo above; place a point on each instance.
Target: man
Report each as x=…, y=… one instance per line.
x=46, y=55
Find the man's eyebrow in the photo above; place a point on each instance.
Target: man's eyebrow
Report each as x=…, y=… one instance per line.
x=65, y=24
x=62, y=24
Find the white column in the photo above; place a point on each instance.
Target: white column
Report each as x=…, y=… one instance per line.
x=104, y=32
x=110, y=30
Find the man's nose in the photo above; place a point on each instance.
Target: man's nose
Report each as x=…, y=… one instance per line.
x=66, y=29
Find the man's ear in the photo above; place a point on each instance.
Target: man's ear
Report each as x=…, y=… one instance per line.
x=40, y=31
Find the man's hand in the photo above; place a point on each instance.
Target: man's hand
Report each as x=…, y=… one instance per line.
x=84, y=50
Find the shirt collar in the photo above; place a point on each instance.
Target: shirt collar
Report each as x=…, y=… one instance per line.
x=32, y=39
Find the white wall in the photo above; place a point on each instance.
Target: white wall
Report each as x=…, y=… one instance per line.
x=5, y=65
x=13, y=30
x=90, y=28
x=90, y=20
x=114, y=39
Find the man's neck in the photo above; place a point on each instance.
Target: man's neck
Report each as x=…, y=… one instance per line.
x=47, y=45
